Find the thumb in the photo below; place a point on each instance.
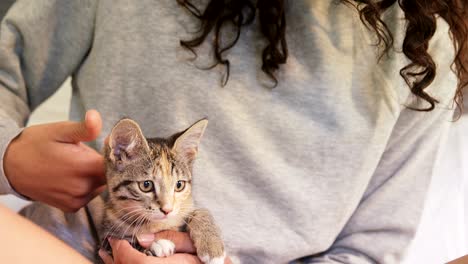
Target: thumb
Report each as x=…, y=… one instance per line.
x=87, y=130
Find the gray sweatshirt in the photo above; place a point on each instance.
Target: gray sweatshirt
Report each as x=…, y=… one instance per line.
x=329, y=165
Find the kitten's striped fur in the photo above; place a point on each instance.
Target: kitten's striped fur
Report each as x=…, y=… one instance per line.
x=149, y=185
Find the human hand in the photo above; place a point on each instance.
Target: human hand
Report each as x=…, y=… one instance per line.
x=48, y=163
x=124, y=253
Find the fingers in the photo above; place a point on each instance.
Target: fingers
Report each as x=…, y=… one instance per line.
x=74, y=132
x=93, y=123
x=105, y=257
x=180, y=259
x=96, y=192
x=124, y=253
x=96, y=167
x=145, y=240
x=182, y=241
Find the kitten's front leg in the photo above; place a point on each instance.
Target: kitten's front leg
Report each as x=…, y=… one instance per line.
x=206, y=237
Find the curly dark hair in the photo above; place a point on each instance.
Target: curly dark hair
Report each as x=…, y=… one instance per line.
x=420, y=27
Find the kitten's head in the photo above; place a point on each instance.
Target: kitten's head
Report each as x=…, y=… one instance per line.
x=151, y=177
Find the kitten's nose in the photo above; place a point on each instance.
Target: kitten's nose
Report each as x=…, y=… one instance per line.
x=166, y=210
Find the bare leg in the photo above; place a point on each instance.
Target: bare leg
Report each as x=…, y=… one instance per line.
x=23, y=242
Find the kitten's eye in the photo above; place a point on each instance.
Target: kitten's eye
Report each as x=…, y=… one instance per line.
x=180, y=186
x=146, y=186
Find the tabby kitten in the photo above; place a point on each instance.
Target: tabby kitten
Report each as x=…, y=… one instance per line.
x=149, y=185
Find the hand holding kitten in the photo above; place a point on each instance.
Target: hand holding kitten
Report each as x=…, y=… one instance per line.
x=185, y=251
x=48, y=163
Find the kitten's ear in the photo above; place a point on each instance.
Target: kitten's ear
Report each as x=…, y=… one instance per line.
x=126, y=142
x=186, y=145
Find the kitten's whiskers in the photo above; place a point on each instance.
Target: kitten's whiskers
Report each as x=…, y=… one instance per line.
x=124, y=218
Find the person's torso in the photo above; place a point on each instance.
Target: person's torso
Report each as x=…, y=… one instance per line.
x=282, y=169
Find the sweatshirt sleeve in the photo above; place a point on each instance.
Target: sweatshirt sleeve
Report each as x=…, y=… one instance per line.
x=41, y=44
x=386, y=219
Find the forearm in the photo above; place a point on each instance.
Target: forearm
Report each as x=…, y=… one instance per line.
x=24, y=242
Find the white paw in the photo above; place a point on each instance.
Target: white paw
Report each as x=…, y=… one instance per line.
x=163, y=248
x=218, y=260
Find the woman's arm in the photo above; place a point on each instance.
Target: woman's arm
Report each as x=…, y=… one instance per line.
x=385, y=221
x=41, y=44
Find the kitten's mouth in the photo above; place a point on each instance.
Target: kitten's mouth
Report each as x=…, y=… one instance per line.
x=159, y=217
